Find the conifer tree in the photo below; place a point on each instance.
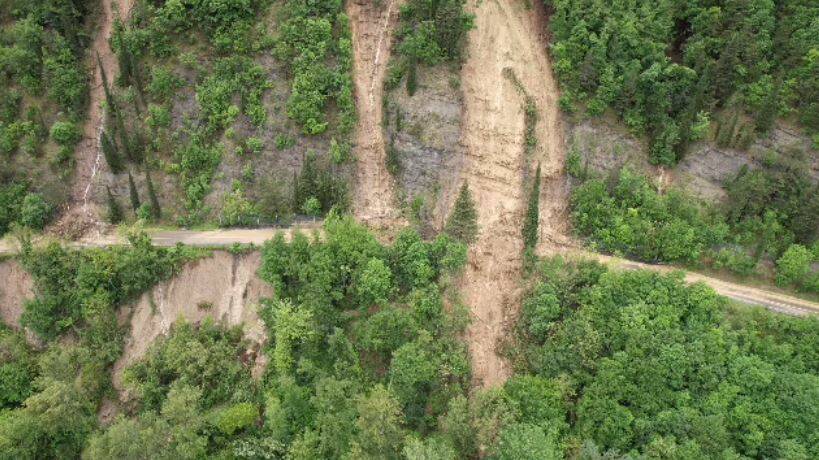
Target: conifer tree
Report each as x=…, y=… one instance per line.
x=114, y=210
x=115, y=113
x=109, y=98
x=156, y=211
x=109, y=150
x=133, y=191
x=463, y=221
x=530, y=224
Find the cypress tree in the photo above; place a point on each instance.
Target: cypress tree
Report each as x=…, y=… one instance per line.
x=123, y=138
x=463, y=221
x=109, y=98
x=115, y=113
x=109, y=149
x=133, y=191
x=114, y=210
x=156, y=211
x=126, y=67
x=530, y=224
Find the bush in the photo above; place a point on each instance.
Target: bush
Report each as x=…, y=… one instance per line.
x=35, y=211
x=794, y=267
x=633, y=219
x=736, y=260
x=65, y=133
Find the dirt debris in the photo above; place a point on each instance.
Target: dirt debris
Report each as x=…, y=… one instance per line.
x=82, y=216
x=506, y=35
x=372, y=27
x=16, y=286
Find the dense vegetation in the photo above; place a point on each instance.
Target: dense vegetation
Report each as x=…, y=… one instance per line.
x=429, y=33
x=637, y=363
x=772, y=213
x=43, y=96
x=50, y=397
x=175, y=54
x=668, y=67
x=363, y=361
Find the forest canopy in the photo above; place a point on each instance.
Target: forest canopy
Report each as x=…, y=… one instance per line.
x=667, y=67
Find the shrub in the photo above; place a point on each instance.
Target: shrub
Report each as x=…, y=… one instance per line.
x=65, y=133
x=254, y=144
x=236, y=418
x=34, y=211
x=794, y=266
x=238, y=210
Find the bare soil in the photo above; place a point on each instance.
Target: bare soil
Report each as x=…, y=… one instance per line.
x=223, y=287
x=16, y=286
x=82, y=214
x=506, y=36
x=372, y=29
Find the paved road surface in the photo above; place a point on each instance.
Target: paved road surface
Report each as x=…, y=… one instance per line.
x=774, y=301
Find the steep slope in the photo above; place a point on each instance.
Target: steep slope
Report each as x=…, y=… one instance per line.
x=16, y=286
x=82, y=213
x=505, y=38
x=372, y=30
x=223, y=287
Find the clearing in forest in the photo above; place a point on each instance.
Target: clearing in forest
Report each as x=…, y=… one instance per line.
x=372, y=29
x=506, y=40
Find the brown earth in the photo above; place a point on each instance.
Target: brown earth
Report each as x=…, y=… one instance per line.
x=16, y=286
x=372, y=28
x=82, y=214
x=223, y=287
x=506, y=36
x=535, y=74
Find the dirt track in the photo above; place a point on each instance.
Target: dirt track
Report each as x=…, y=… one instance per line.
x=372, y=31
x=506, y=36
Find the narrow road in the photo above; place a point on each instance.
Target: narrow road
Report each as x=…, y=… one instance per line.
x=775, y=301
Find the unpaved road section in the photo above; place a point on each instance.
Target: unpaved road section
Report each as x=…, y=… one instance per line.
x=774, y=301
x=494, y=128
x=372, y=26
x=16, y=284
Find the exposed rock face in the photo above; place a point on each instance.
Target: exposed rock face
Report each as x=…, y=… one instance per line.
x=424, y=132
x=705, y=168
x=16, y=286
x=604, y=146
x=223, y=287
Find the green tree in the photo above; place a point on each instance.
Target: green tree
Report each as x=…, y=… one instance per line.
x=531, y=222
x=380, y=434
x=115, y=215
x=794, y=265
x=109, y=150
x=374, y=283
x=526, y=441
x=65, y=133
x=34, y=211
x=462, y=223
x=132, y=191
x=156, y=211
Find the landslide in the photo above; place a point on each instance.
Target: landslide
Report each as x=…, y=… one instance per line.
x=372, y=26
x=506, y=41
x=223, y=287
